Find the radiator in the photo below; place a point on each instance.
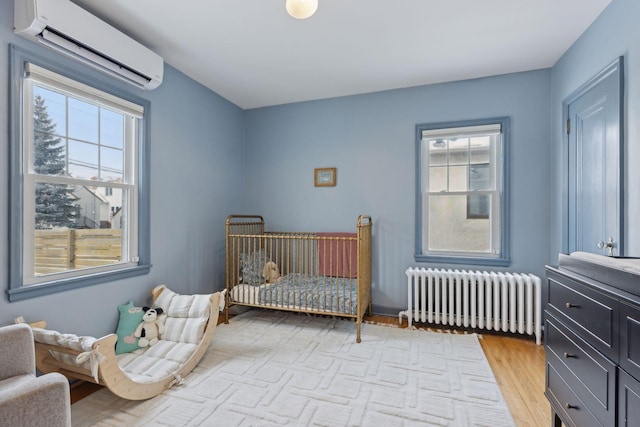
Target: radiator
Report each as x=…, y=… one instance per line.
x=508, y=302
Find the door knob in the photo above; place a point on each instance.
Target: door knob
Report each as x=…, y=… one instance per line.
x=609, y=245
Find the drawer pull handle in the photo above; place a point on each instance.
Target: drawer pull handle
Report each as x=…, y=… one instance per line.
x=570, y=406
x=569, y=356
x=569, y=305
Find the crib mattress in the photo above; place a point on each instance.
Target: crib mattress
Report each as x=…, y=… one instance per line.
x=297, y=291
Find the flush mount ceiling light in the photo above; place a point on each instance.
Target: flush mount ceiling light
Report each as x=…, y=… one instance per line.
x=301, y=9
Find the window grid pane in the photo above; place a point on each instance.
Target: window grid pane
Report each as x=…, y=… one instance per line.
x=83, y=120
x=451, y=230
x=459, y=151
x=95, y=143
x=82, y=231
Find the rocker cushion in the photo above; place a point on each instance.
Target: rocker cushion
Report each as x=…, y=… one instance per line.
x=186, y=319
x=186, y=316
x=70, y=341
x=156, y=362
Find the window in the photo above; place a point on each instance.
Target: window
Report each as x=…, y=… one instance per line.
x=78, y=175
x=461, y=203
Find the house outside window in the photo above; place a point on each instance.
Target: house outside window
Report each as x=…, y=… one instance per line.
x=461, y=201
x=79, y=160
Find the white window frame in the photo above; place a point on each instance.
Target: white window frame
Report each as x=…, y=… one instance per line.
x=38, y=76
x=59, y=74
x=498, y=253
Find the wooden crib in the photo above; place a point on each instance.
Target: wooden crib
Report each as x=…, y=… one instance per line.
x=306, y=272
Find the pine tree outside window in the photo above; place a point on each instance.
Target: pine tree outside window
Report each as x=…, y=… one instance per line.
x=82, y=154
x=54, y=202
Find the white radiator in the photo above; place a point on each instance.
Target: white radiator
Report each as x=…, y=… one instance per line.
x=508, y=302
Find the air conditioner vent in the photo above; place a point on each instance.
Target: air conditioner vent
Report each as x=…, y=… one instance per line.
x=71, y=30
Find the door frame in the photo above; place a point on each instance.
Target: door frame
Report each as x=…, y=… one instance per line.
x=616, y=67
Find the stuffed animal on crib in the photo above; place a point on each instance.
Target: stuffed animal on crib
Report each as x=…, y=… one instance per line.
x=270, y=272
x=150, y=328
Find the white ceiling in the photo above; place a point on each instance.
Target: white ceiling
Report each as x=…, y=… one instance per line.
x=254, y=54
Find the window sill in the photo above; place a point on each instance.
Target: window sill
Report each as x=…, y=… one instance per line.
x=48, y=288
x=441, y=259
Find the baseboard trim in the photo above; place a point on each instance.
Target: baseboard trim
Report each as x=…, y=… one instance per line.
x=385, y=311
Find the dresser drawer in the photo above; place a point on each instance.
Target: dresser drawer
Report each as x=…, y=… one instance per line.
x=591, y=376
x=630, y=339
x=628, y=401
x=591, y=314
x=566, y=403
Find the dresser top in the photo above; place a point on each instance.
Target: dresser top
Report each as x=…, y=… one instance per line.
x=619, y=273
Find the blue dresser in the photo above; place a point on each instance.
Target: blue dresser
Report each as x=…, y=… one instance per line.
x=592, y=343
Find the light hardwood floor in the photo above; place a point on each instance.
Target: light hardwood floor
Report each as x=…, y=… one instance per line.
x=517, y=363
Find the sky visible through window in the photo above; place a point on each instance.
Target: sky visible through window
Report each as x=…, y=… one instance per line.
x=93, y=136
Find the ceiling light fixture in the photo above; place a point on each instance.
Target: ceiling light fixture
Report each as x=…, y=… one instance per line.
x=301, y=9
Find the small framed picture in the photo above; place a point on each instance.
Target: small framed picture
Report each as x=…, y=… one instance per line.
x=324, y=177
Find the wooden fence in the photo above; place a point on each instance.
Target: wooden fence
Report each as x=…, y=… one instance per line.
x=63, y=250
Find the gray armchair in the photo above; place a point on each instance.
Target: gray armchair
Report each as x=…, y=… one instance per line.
x=27, y=400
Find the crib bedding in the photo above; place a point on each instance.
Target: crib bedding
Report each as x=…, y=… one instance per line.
x=300, y=291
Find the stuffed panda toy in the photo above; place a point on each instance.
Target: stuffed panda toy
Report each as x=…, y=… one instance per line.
x=150, y=328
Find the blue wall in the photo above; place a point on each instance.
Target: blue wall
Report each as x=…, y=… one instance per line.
x=196, y=146
x=615, y=33
x=370, y=139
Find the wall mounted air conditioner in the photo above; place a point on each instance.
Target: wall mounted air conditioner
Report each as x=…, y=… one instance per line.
x=71, y=30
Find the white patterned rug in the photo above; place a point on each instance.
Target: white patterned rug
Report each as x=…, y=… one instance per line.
x=269, y=368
